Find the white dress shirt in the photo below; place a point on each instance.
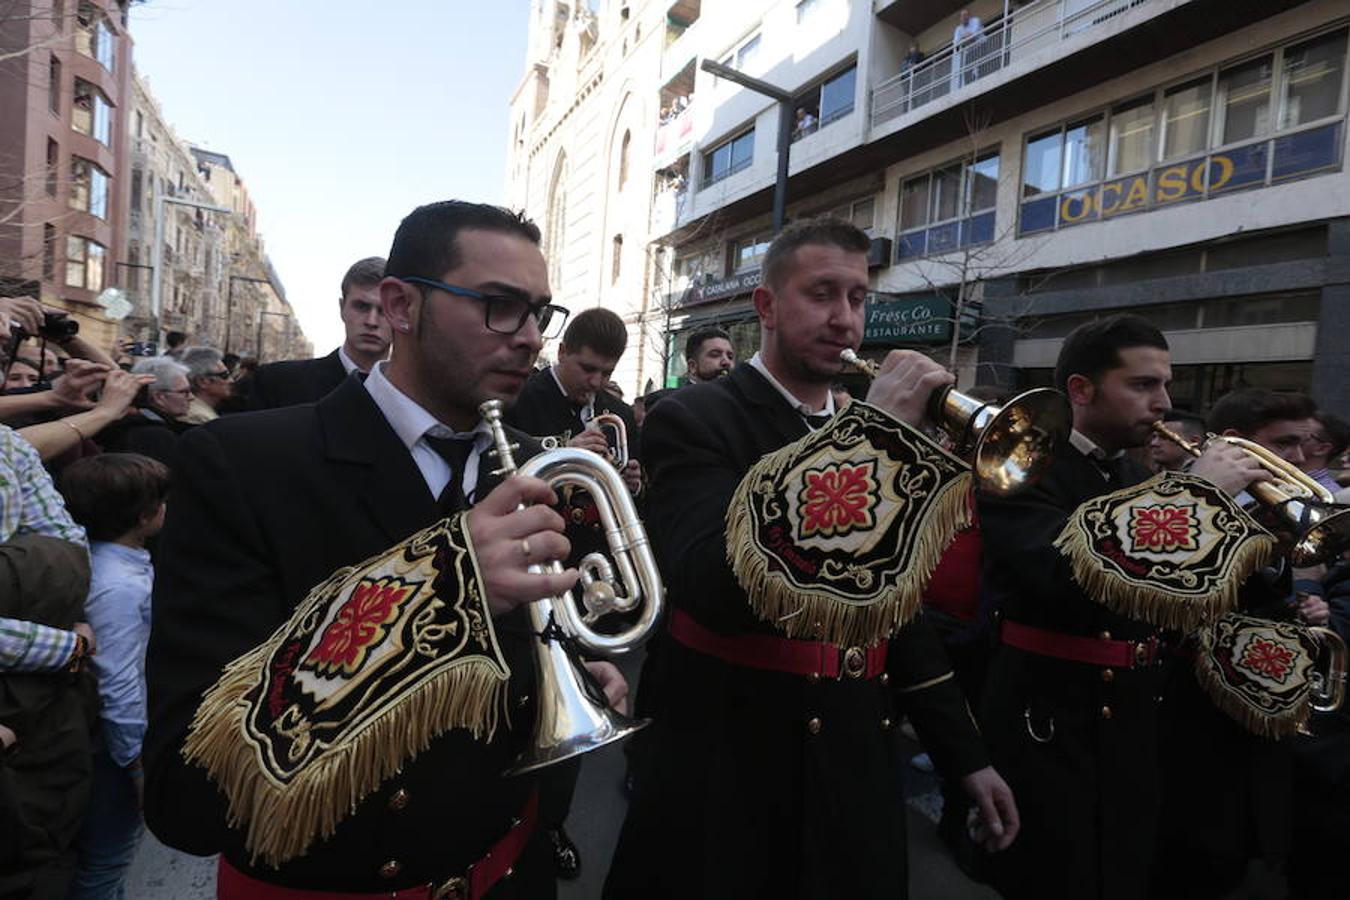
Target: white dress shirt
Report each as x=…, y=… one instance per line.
x=412, y=424
x=803, y=408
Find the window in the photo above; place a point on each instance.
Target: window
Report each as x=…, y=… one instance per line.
x=88, y=187
x=54, y=85
x=862, y=213
x=807, y=9
x=1218, y=132
x=1310, y=83
x=84, y=263
x=836, y=96
x=136, y=176
x=747, y=252
x=1131, y=137
x=48, y=251
x=1244, y=95
x=623, y=158
x=53, y=166
x=94, y=37
x=616, y=263
x=743, y=56
x=948, y=208
x=729, y=157
x=91, y=114
x=1186, y=118
x=1084, y=152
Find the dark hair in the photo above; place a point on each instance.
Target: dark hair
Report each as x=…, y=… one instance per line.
x=175, y=339
x=1093, y=348
x=696, y=340
x=827, y=230
x=111, y=493
x=1337, y=431
x=1248, y=410
x=1188, y=420
x=427, y=241
x=600, y=329
x=363, y=273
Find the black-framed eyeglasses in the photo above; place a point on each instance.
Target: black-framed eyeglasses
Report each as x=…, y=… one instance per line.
x=504, y=313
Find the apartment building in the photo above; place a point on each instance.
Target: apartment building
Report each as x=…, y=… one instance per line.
x=1064, y=159
x=65, y=89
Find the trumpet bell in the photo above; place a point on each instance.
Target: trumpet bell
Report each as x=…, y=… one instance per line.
x=1016, y=442
x=573, y=717
x=1008, y=446
x=1325, y=538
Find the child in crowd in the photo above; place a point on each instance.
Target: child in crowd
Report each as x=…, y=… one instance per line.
x=119, y=499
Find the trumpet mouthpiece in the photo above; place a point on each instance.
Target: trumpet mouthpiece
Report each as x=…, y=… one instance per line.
x=853, y=359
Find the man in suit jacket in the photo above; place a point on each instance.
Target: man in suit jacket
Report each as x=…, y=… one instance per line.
x=1078, y=741
x=759, y=780
x=562, y=400
x=708, y=355
x=367, y=342
x=269, y=505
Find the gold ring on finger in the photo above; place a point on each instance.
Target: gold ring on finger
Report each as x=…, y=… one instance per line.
x=525, y=548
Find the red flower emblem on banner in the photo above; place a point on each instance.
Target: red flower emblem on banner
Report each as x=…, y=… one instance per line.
x=1164, y=528
x=837, y=499
x=360, y=624
x=1269, y=658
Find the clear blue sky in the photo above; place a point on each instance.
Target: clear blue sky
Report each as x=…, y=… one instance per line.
x=341, y=116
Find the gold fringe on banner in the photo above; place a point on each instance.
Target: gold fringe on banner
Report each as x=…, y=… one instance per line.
x=1172, y=595
x=1257, y=708
x=288, y=804
x=852, y=601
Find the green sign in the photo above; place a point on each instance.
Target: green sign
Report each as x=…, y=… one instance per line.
x=917, y=320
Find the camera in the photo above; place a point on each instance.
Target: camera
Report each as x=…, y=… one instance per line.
x=143, y=348
x=57, y=327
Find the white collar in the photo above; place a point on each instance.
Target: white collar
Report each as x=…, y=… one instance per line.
x=348, y=363
x=410, y=421
x=791, y=398
x=1086, y=446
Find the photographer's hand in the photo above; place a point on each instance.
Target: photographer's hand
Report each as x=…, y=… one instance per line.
x=23, y=311
x=81, y=379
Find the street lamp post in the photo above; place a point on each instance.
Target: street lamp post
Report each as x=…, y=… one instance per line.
x=785, y=103
x=229, y=303
x=157, y=251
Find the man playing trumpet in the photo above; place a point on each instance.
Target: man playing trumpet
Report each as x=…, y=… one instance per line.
x=1070, y=709
x=772, y=769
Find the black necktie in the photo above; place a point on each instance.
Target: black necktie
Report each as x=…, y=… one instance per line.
x=817, y=421
x=455, y=451
x=1114, y=469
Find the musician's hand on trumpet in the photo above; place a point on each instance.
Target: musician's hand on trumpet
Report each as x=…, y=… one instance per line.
x=592, y=439
x=905, y=382
x=508, y=539
x=1229, y=468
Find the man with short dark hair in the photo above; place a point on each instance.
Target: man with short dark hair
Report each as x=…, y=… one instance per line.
x=366, y=343
x=1327, y=441
x=1069, y=721
x=399, y=690
x=1167, y=456
x=562, y=401
x=1277, y=421
x=764, y=774
x=708, y=354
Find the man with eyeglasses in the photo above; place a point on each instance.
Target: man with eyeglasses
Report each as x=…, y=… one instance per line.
x=210, y=382
x=156, y=420
x=366, y=343
x=339, y=669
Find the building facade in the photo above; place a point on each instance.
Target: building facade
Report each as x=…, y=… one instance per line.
x=1064, y=159
x=65, y=91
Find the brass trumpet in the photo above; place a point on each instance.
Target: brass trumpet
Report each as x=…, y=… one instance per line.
x=1008, y=446
x=1328, y=690
x=612, y=424
x=572, y=718
x=1317, y=529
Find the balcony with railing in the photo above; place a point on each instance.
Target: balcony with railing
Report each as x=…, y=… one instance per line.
x=1021, y=34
